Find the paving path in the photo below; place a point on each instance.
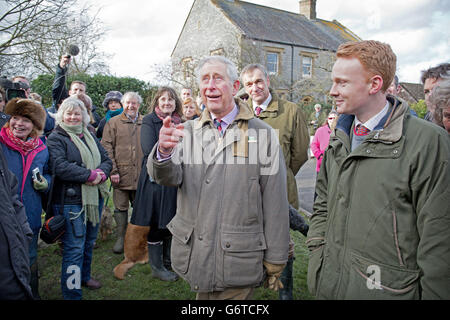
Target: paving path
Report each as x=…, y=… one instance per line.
x=306, y=181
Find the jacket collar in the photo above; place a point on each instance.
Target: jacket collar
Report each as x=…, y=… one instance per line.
x=124, y=118
x=272, y=109
x=390, y=127
x=245, y=113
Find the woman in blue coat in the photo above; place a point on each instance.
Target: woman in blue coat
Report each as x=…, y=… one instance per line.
x=25, y=153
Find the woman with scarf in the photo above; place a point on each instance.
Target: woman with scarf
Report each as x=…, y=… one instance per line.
x=25, y=153
x=114, y=107
x=155, y=205
x=81, y=166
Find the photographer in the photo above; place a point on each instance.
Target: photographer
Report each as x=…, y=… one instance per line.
x=59, y=89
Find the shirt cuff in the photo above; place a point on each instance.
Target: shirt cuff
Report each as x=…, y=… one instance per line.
x=160, y=157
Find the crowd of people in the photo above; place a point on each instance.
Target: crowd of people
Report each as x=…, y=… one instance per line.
x=211, y=185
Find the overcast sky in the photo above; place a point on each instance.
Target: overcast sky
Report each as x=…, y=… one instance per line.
x=144, y=33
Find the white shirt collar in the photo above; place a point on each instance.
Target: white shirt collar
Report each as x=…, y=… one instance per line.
x=373, y=122
x=263, y=105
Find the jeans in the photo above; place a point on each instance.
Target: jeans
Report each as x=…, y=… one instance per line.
x=78, y=243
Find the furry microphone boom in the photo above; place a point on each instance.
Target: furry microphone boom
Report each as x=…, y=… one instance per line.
x=73, y=50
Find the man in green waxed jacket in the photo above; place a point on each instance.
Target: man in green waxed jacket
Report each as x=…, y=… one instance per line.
x=288, y=119
x=380, y=228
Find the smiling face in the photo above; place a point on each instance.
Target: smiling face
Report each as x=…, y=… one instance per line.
x=21, y=127
x=216, y=88
x=73, y=117
x=77, y=88
x=130, y=106
x=350, y=86
x=114, y=105
x=256, y=85
x=166, y=103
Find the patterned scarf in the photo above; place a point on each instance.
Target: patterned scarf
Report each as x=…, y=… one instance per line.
x=90, y=155
x=24, y=146
x=27, y=149
x=176, y=119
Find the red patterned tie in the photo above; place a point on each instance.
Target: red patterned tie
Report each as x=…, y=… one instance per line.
x=258, y=110
x=360, y=130
x=218, y=124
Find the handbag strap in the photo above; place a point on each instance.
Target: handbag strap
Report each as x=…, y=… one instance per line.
x=49, y=212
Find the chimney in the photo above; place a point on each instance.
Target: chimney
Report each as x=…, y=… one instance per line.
x=308, y=8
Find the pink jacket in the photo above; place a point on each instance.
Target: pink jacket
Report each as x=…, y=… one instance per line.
x=320, y=143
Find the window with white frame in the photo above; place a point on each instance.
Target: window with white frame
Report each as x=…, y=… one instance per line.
x=272, y=62
x=307, y=63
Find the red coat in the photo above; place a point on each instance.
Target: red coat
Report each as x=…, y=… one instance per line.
x=320, y=143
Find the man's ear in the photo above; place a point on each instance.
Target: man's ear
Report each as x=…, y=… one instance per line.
x=375, y=83
x=236, y=86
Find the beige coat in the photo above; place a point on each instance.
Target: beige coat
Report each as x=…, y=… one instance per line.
x=232, y=207
x=122, y=140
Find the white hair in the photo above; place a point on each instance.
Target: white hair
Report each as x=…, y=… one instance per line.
x=230, y=67
x=68, y=105
x=131, y=94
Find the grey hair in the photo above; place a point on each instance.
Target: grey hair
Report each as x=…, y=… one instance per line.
x=230, y=67
x=131, y=94
x=68, y=105
x=440, y=98
x=252, y=67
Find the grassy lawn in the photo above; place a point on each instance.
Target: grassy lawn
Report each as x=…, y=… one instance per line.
x=139, y=284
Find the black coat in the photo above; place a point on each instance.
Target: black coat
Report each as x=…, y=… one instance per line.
x=71, y=173
x=15, y=236
x=153, y=201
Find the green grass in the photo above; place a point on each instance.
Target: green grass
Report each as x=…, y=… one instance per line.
x=139, y=284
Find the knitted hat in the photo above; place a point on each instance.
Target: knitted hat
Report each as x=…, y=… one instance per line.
x=29, y=109
x=112, y=95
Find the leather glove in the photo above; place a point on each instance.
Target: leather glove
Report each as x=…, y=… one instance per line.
x=297, y=222
x=274, y=272
x=40, y=185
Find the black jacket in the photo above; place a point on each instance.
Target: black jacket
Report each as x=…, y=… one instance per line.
x=15, y=236
x=153, y=202
x=70, y=171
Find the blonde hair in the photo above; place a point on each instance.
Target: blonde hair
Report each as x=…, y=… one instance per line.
x=376, y=57
x=70, y=104
x=189, y=101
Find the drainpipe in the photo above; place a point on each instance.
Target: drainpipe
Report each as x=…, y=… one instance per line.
x=292, y=71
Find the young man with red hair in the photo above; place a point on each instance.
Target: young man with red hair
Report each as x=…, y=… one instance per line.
x=381, y=217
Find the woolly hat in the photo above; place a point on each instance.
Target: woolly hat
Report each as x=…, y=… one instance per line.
x=29, y=109
x=112, y=95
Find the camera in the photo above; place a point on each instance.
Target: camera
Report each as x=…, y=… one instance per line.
x=13, y=89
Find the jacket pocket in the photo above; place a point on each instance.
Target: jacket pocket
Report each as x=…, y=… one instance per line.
x=243, y=258
x=373, y=280
x=314, y=266
x=180, y=252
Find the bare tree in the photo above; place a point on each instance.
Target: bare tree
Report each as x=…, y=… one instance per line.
x=34, y=34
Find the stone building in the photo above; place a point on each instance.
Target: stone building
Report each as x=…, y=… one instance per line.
x=411, y=92
x=297, y=48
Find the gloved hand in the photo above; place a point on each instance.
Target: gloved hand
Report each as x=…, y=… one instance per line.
x=274, y=272
x=40, y=185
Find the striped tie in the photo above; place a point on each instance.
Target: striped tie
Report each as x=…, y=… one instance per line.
x=258, y=110
x=360, y=130
x=218, y=124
